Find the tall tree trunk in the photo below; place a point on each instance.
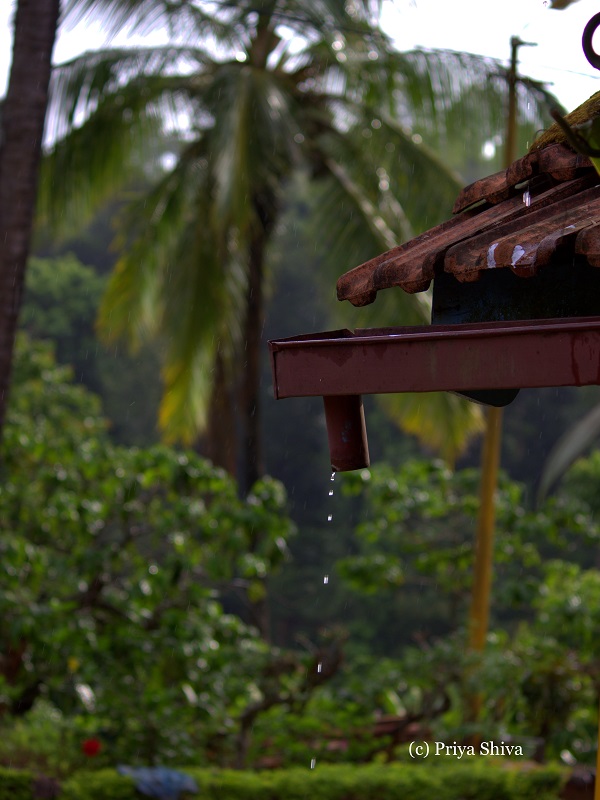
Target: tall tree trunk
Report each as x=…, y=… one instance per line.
x=22, y=128
x=252, y=464
x=220, y=440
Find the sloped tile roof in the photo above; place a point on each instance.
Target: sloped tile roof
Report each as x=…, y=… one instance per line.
x=545, y=206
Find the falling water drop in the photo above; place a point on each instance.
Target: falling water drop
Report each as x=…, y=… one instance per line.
x=325, y=578
x=313, y=763
x=319, y=667
x=330, y=516
x=527, y=198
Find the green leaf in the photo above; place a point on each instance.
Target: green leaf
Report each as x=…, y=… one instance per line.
x=568, y=449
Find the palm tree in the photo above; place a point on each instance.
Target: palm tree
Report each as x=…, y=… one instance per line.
x=22, y=117
x=263, y=91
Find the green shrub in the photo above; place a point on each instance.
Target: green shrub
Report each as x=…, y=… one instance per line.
x=15, y=784
x=475, y=780
x=539, y=784
x=44, y=741
x=104, y=784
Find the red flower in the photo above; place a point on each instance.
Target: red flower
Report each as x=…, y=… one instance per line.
x=91, y=747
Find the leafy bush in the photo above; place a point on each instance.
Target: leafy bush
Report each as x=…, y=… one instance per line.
x=104, y=784
x=15, y=785
x=471, y=780
x=42, y=740
x=115, y=563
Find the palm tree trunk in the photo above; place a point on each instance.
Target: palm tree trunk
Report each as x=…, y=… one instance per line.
x=22, y=123
x=220, y=441
x=252, y=462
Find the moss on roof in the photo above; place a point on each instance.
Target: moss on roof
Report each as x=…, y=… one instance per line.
x=583, y=113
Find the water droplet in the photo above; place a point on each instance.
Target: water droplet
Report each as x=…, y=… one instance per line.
x=325, y=578
x=313, y=763
x=331, y=493
x=329, y=517
x=319, y=667
x=527, y=198
x=332, y=476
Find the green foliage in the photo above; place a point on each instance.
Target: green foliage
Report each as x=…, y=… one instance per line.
x=538, y=677
x=568, y=607
x=468, y=781
x=582, y=482
x=61, y=304
x=559, y=661
x=325, y=729
x=43, y=740
x=418, y=526
x=542, y=784
x=105, y=784
x=572, y=444
x=116, y=562
x=539, y=684
x=289, y=92
x=124, y=561
x=15, y=785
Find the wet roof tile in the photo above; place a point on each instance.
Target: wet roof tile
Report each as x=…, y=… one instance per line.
x=545, y=206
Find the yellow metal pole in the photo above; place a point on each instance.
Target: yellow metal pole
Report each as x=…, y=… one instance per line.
x=479, y=614
x=484, y=538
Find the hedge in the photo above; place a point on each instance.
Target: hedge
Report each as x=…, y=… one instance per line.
x=15, y=784
x=476, y=780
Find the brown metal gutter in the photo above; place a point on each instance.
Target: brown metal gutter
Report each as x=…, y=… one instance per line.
x=494, y=355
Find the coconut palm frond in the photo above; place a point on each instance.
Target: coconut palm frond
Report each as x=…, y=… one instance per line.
x=79, y=85
x=345, y=223
x=350, y=230
x=181, y=20
x=251, y=143
x=459, y=97
x=384, y=170
x=571, y=446
x=405, y=164
x=110, y=149
x=327, y=18
x=204, y=301
x=174, y=277
x=274, y=89
x=149, y=238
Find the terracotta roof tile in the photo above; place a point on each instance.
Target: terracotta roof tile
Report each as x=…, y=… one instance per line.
x=494, y=228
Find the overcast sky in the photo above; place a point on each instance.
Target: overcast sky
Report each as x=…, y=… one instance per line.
x=476, y=26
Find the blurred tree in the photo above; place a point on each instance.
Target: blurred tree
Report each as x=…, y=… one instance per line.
x=582, y=482
x=61, y=303
x=117, y=563
x=415, y=541
x=266, y=90
x=22, y=118
x=546, y=681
